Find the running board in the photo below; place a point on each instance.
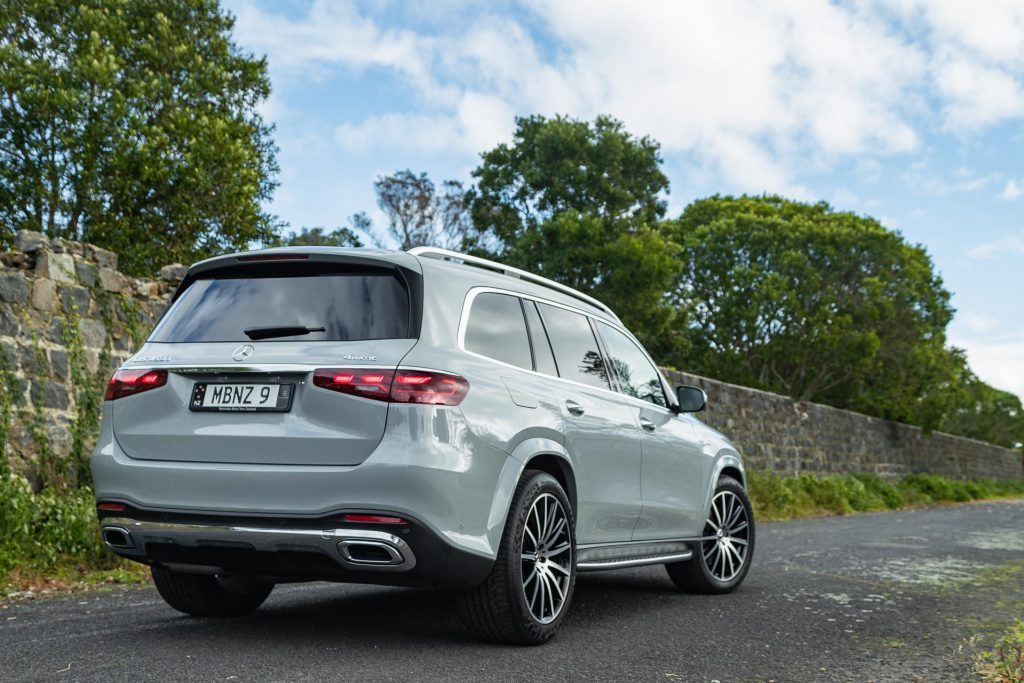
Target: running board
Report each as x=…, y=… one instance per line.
x=618, y=556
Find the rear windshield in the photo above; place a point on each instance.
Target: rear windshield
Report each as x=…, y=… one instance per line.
x=350, y=307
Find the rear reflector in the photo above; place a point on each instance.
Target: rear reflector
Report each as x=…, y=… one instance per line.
x=373, y=519
x=111, y=507
x=131, y=381
x=395, y=386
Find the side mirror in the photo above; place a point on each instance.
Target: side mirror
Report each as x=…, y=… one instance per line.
x=691, y=399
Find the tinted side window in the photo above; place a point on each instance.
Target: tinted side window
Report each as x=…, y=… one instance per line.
x=575, y=347
x=496, y=329
x=542, y=353
x=637, y=377
x=348, y=306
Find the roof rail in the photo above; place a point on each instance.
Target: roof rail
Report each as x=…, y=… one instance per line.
x=445, y=254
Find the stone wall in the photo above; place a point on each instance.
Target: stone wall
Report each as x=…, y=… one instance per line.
x=779, y=434
x=68, y=318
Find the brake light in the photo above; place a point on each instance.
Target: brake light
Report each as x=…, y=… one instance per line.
x=401, y=386
x=111, y=507
x=131, y=381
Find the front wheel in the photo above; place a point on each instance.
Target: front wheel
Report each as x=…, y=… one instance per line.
x=202, y=595
x=722, y=559
x=528, y=591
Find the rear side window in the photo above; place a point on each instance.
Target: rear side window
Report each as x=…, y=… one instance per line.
x=637, y=376
x=496, y=329
x=575, y=347
x=350, y=307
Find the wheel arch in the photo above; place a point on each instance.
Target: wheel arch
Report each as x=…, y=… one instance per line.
x=559, y=468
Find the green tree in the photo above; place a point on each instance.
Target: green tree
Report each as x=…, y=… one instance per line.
x=820, y=305
x=986, y=413
x=133, y=124
x=319, y=237
x=579, y=203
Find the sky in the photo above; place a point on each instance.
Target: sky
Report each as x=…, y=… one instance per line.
x=908, y=111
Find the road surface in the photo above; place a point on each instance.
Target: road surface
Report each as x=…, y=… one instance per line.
x=877, y=597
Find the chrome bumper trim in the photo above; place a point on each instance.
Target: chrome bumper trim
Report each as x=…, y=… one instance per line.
x=330, y=541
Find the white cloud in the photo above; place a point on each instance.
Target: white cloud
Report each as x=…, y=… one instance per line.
x=1008, y=245
x=1013, y=189
x=999, y=362
x=759, y=93
x=979, y=323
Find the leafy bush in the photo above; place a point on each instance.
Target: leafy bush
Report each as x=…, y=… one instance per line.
x=40, y=532
x=804, y=495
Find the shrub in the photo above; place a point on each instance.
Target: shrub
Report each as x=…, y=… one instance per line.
x=42, y=531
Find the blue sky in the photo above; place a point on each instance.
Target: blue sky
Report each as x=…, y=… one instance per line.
x=910, y=111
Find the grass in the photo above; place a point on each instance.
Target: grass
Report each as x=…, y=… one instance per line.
x=810, y=495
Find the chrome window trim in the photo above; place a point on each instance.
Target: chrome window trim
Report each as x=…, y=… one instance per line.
x=467, y=306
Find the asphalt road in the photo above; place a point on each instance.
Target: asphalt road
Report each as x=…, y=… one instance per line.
x=881, y=597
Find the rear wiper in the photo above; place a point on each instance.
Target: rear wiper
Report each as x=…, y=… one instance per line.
x=255, y=333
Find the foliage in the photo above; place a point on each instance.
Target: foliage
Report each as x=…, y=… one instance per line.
x=816, y=304
x=41, y=531
x=133, y=124
x=319, y=237
x=579, y=203
x=418, y=213
x=986, y=413
x=1005, y=662
x=805, y=495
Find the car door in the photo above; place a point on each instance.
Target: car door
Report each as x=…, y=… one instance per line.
x=601, y=431
x=675, y=470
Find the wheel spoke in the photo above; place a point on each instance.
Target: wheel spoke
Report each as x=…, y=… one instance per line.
x=556, y=532
x=564, y=570
x=740, y=541
x=740, y=527
x=559, y=550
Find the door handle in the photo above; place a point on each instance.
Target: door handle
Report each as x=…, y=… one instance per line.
x=574, y=408
x=647, y=424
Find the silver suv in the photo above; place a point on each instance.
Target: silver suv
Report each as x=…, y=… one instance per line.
x=422, y=418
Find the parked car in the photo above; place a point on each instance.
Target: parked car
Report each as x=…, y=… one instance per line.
x=421, y=418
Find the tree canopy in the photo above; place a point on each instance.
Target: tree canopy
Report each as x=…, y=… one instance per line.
x=133, y=124
x=817, y=304
x=579, y=203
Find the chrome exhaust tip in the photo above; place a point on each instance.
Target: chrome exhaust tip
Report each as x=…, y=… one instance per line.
x=117, y=537
x=374, y=553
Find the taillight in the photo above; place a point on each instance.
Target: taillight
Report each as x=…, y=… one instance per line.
x=131, y=381
x=395, y=386
x=107, y=506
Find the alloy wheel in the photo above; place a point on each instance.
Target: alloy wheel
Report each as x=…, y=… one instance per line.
x=547, y=558
x=726, y=539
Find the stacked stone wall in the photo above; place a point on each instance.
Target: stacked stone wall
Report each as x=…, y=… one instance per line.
x=68, y=318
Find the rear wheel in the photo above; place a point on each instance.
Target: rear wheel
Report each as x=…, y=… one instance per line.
x=721, y=561
x=528, y=592
x=202, y=595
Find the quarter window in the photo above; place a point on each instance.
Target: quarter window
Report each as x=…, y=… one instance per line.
x=637, y=376
x=496, y=329
x=575, y=347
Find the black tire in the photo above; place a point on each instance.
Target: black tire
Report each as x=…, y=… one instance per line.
x=498, y=610
x=203, y=595
x=695, y=575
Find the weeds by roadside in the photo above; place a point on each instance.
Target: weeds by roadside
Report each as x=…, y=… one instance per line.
x=808, y=495
x=1004, y=663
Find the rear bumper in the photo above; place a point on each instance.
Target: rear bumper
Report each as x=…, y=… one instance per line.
x=292, y=549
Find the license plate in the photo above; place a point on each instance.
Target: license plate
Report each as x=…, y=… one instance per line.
x=242, y=398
